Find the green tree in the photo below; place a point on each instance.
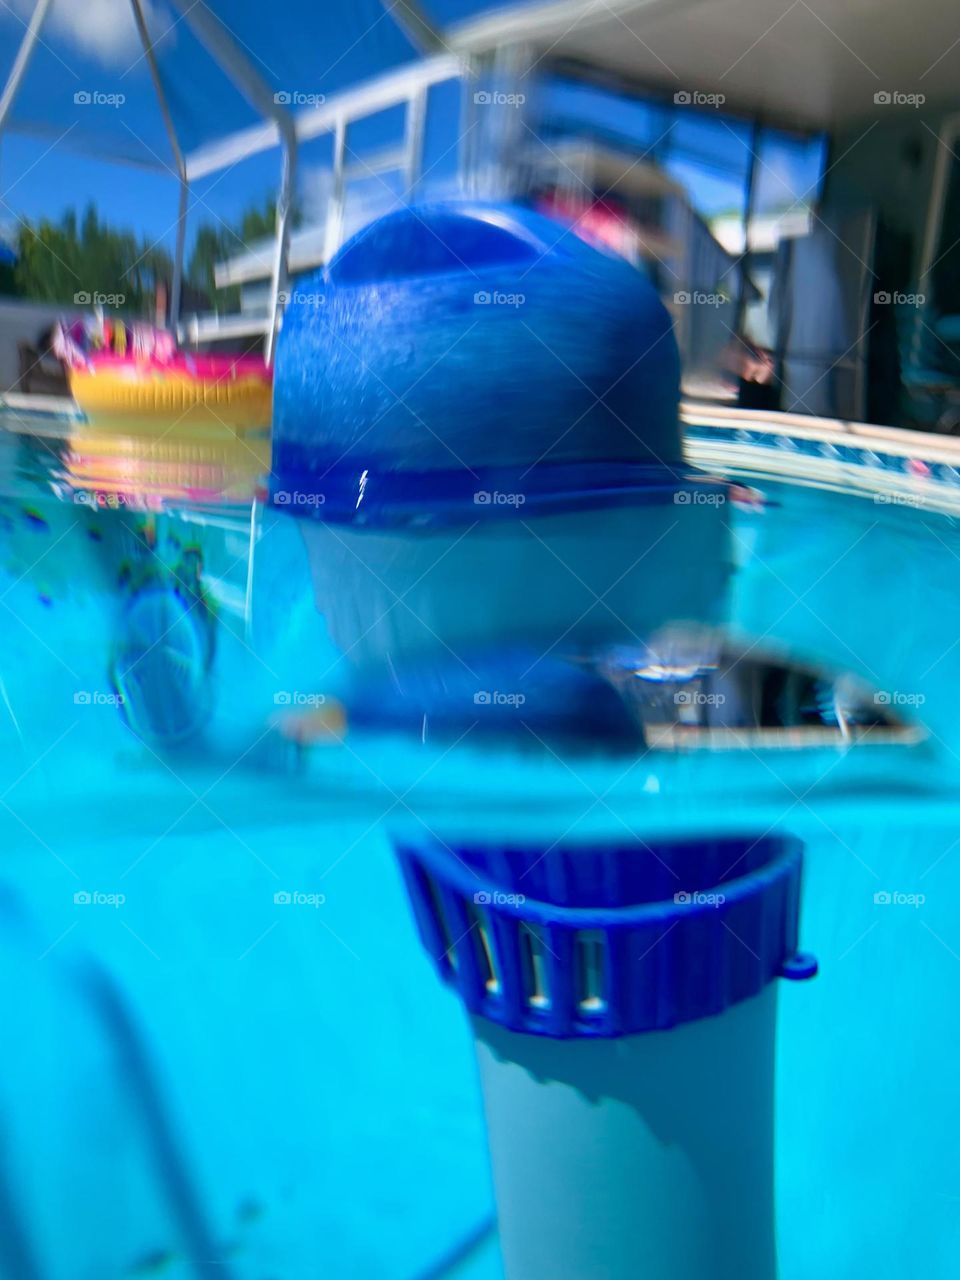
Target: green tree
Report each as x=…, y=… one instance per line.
x=61, y=261
x=218, y=241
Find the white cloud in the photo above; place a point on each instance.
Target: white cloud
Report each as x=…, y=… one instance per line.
x=101, y=29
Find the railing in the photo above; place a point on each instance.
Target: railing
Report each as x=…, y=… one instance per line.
x=408, y=88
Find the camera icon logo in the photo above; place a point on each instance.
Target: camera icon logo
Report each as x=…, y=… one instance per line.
x=482, y=498
x=482, y=699
x=282, y=98
x=883, y=898
x=683, y=699
x=682, y=98
x=882, y=298
x=683, y=898
x=81, y=698
x=82, y=899
x=282, y=498
x=482, y=99
x=882, y=699
x=682, y=298
x=482, y=899
x=682, y=498
x=82, y=98
x=882, y=98
x=482, y=298
x=82, y=298
x=282, y=698
x=282, y=898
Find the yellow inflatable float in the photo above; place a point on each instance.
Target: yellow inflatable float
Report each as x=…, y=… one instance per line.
x=135, y=375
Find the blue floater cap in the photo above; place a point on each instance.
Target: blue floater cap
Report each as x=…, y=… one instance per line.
x=609, y=940
x=470, y=344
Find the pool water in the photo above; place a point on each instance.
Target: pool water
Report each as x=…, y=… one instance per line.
x=225, y=1053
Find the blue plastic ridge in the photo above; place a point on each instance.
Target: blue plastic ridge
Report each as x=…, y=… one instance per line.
x=597, y=945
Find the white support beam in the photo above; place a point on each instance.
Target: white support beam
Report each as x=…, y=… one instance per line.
x=335, y=205
x=215, y=37
x=387, y=160
x=413, y=19
x=354, y=104
x=281, y=272
x=413, y=141
x=22, y=60
x=146, y=40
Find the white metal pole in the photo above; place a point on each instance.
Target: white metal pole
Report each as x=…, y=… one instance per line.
x=334, y=228
x=412, y=19
x=148, y=49
x=280, y=274
x=22, y=60
x=221, y=46
x=413, y=141
x=176, y=290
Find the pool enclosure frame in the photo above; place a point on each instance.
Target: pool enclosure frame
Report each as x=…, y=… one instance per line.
x=225, y=52
x=495, y=42
x=447, y=54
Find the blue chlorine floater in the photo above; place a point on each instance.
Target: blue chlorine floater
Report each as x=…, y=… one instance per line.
x=477, y=414
x=449, y=349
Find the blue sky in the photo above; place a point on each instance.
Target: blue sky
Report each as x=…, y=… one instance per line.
x=91, y=47
x=36, y=185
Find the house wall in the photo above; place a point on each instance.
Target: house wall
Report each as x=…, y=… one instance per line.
x=890, y=166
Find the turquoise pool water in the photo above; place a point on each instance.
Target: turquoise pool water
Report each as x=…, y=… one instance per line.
x=200, y=1079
